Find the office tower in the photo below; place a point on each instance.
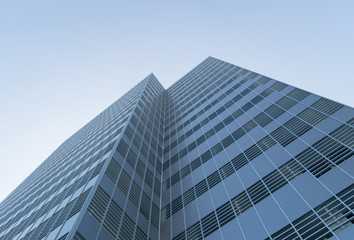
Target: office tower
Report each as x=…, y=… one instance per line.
x=224, y=153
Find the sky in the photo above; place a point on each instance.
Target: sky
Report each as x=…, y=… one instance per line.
x=63, y=62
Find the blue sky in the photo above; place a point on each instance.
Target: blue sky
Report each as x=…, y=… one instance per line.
x=63, y=62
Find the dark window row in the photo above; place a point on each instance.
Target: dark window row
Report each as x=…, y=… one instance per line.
x=188, y=83
x=196, y=93
x=51, y=178
x=331, y=216
x=282, y=135
x=318, y=159
x=56, y=166
x=176, y=87
x=138, y=143
x=25, y=209
x=341, y=216
x=209, y=133
x=263, y=80
x=125, y=183
x=202, y=97
x=57, y=218
x=140, y=127
x=132, y=160
x=54, y=201
x=201, y=89
x=149, y=119
x=298, y=93
x=215, y=114
x=111, y=216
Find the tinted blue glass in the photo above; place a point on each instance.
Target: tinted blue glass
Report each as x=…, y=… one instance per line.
x=222, y=153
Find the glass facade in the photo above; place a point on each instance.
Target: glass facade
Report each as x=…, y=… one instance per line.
x=224, y=153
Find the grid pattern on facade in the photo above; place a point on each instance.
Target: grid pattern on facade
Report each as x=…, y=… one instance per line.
x=80, y=158
x=196, y=120
x=317, y=159
x=323, y=220
x=223, y=146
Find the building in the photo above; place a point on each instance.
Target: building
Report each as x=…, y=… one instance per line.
x=224, y=153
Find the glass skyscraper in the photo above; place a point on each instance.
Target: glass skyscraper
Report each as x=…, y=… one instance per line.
x=224, y=153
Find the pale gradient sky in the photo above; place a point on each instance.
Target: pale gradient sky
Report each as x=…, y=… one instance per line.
x=63, y=62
